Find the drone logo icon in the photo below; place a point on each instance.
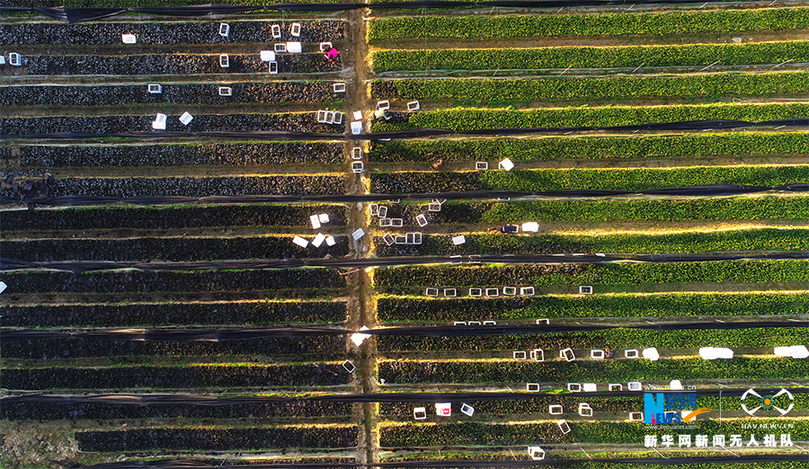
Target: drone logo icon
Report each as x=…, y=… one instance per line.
x=767, y=401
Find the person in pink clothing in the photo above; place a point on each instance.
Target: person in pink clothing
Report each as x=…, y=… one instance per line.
x=332, y=54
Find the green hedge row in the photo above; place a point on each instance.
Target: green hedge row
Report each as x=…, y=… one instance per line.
x=769, y=271
x=631, y=179
x=766, y=239
x=482, y=434
x=600, y=88
x=690, y=55
x=736, y=208
x=613, y=339
x=594, y=148
x=603, y=24
x=598, y=371
x=481, y=119
x=391, y=309
x=538, y=404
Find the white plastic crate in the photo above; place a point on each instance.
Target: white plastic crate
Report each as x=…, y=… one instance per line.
x=186, y=118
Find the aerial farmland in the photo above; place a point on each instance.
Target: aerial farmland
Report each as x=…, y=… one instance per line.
x=446, y=234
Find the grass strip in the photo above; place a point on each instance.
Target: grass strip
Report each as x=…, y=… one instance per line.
x=493, y=91
x=595, y=148
x=630, y=179
x=394, y=309
x=608, y=340
x=766, y=239
x=734, y=208
x=589, y=57
x=601, y=24
x=458, y=119
x=754, y=271
x=602, y=371
x=481, y=434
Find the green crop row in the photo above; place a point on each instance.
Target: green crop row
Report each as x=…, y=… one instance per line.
x=768, y=207
x=736, y=208
x=630, y=179
x=689, y=55
x=600, y=371
x=538, y=404
x=611, y=339
x=392, y=309
x=589, y=89
x=766, y=239
x=582, y=464
x=603, y=24
x=481, y=434
x=481, y=119
x=594, y=148
x=769, y=271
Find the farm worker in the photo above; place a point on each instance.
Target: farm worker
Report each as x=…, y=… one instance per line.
x=332, y=54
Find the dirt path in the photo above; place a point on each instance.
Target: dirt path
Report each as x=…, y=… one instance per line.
x=361, y=312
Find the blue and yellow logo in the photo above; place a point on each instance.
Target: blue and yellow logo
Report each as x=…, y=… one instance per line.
x=666, y=408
